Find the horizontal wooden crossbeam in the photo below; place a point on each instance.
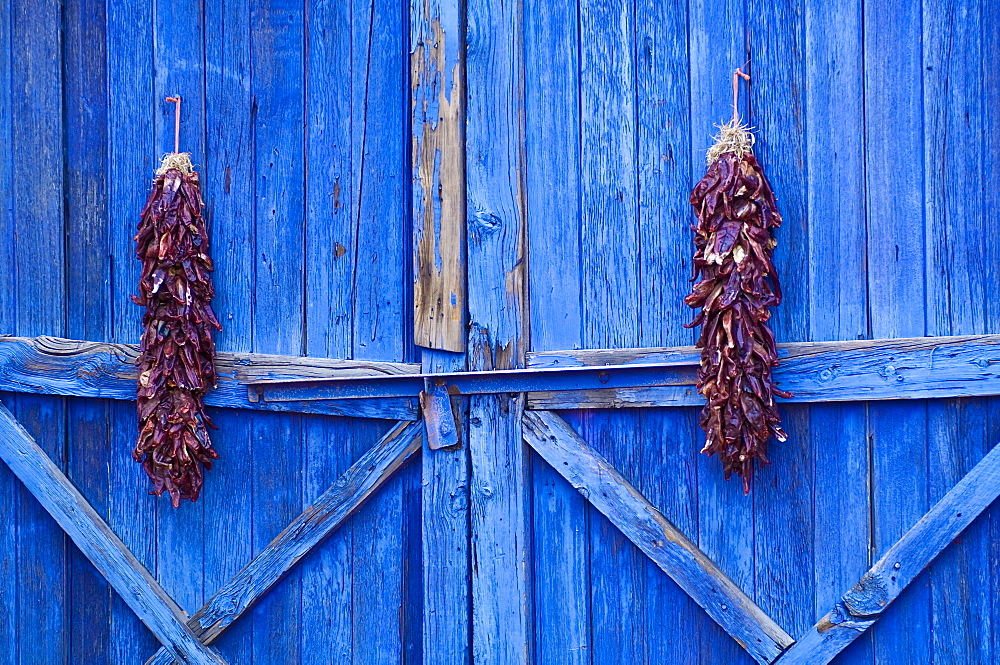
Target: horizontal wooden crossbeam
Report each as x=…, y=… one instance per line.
x=862, y=606
x=55, y=366
x=95, y=539
x=318, y=521
x=556, y=442
x=913, y=368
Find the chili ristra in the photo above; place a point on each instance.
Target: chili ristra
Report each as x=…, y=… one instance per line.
x=177, y=354
x=735, y=285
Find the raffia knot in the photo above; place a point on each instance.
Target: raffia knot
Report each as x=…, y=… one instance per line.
x=176, y=160
x=733, y=137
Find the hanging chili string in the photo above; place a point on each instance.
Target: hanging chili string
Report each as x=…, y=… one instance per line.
x=177, y=354
x=735, y=285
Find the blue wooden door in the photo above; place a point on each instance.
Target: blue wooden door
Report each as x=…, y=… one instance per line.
x=336, y=164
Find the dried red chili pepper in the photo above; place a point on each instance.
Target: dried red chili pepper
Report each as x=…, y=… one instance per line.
x=177, y=355
x=736, y=284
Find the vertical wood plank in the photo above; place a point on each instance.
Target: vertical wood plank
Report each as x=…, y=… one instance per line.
x=896, y=296
x=783, y=491
x=228, y=189
x=131, y=155
x=552, y=119
x=277, y=44
x=499, y=493
x=989, y=53
x=39, y=262
x=957, y=293
x=725, y=518
x=9, y=486
x=178, y=52
x=834, y=135
x=380, y=169
x=330, y=262
x=438, y=173
x=667, y=473
x=87, y=304
x=445, y=539
x=610, y=281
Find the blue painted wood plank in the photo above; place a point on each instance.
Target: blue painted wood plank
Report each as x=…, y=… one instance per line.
x=9, y=486
x=834, y=134
x=227, y=180
x=561, y=533
x=717, y=44
x=87, y=305
x=382, y=314
x=52, y=365
x=326, y=514
x=610, y=282
x=178, y=61
x=499, y=501
x=902, y=563
x=956, y=302
x=38, y=211
x=957, y=295
x=330, y=251
x=989, y=52
x=895, y=210
x=95, y=539
x=277, y=85
x=783, y=492
x=445, y=537
x=666, y=474
x=676, y=555
x=552, y=137
x=130, y=164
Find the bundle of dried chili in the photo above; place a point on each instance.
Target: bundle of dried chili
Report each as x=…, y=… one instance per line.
x=736, y=283
x=177, y=355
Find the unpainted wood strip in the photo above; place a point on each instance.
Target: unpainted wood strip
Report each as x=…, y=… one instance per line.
x=318, y=521
x=98, y=542
x=438, y=164
x=865, y=603
x=56, y=366
x=609, y=492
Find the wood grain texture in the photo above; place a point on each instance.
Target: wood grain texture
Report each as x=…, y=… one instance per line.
x=331, y=252
x=497, y=263
x=55, y=366
x=901, y=564
x=561, y=557
x=445, y=536
x=957, y=302
x=36, y=113
x=841, y=518
x=320, y=519
x=132, y=158
x=94, y=538
x=437, y=49
x=9, y=486
x=897, y=296
x=228, y=189
x=677, y=556
x=856, y=370
x=88, y=310
x=382, y=315
x=783, y=494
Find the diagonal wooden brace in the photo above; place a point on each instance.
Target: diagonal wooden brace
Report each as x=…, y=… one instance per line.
x=862, y=606
x=601, y=484
x=98, y=542
x=315, y=523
